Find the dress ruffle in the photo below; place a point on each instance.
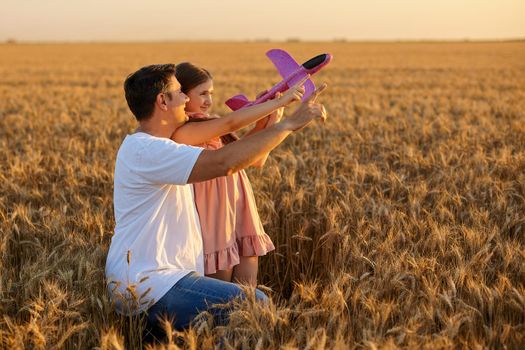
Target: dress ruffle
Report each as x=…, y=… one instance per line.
x=256, y=245
x=225, y=259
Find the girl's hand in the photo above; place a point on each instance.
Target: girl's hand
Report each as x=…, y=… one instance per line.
x=295, y=93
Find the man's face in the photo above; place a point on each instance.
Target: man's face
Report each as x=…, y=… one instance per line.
x=176, y=101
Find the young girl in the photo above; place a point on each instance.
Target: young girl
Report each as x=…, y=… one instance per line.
x=233, y=236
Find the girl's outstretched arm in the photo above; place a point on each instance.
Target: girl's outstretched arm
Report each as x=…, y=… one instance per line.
x=198, y=133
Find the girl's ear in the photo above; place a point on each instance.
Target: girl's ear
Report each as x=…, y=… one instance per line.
x=161, y=102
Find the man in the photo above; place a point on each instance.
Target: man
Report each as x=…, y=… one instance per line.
x=155, y=261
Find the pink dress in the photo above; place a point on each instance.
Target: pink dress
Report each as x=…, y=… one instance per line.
x=229, y=220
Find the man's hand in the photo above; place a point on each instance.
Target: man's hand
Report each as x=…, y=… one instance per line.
x=307, y=111
x=276, y=116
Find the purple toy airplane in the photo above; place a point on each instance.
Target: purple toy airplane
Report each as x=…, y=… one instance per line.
x=291, y=72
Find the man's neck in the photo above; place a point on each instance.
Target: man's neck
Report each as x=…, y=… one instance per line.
x=156, y=128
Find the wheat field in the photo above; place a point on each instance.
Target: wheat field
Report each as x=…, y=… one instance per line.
x=399, y=223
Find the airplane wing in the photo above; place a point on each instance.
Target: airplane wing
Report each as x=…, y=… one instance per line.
x=284, y=63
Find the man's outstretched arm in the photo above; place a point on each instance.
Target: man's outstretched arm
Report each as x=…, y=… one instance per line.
x=237, y=155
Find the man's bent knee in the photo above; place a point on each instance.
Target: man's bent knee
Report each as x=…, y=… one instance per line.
x=260, y=296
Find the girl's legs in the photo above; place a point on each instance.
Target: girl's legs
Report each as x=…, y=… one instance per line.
x=223, y=275
x=246, y=271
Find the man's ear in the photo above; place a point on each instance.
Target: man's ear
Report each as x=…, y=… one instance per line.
x=161, y=102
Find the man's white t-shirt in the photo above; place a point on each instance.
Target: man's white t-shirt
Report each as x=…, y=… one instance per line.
x=156, y=220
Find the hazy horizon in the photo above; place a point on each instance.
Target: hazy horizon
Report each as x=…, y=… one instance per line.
x=235, y=20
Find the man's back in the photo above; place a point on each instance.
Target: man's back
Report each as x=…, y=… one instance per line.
x=156, y=221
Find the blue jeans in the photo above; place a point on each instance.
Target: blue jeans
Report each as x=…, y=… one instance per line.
x=191, y=295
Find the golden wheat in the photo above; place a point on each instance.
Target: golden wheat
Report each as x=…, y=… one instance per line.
x=398, y=223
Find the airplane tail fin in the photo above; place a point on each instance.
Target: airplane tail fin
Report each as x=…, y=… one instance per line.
x=237, y=102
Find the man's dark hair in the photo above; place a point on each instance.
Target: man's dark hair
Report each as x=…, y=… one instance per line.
x=142, y=87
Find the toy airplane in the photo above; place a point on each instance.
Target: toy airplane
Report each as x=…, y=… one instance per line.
x=291, y=72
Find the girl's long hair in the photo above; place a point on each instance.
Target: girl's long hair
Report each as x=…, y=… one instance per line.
x=190, y=76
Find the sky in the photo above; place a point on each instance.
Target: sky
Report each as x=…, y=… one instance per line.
x=160, y=20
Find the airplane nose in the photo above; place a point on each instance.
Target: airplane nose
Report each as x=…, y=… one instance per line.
x=316, y=61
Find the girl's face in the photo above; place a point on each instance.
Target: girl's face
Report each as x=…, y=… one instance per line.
x=200, y=98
